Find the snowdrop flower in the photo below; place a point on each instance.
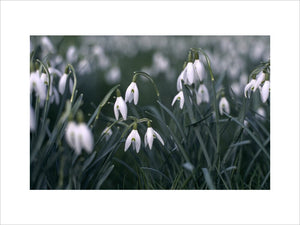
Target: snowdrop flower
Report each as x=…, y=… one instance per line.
x=202, y=94
x=72, y=54
x=47, y=44
x=199, y=68
x=264, y=91
x=224, y=106
x=150, y=135
x=107, y=132
x=189, y=76
x=62, y=84
x=121, y=106
x=179, y=97
x=134, y=139
x=249, y=86
x=38, y=85
x=79, y=137
x=259, y=79
x=179, y=79
x=132, y=93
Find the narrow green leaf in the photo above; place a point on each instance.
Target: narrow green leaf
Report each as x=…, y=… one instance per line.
x=208, y=179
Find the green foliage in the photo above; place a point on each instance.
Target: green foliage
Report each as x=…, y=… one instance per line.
x=202, y=150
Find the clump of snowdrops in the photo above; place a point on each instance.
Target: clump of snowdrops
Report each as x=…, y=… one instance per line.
x=206, y=137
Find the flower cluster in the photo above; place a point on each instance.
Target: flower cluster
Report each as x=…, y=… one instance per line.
x=135, y=139
x=260, y=81
x=79, y=137
x=191, y=73
x=40, y=82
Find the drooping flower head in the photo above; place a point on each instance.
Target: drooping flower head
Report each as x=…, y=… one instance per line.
x=190, y=75
x=224, y=106
x=133, y=139
x=38, y=85
x=63, y=82
x=79, y=136
x=132, y=93
x=264, y=91
x=107, y=133
x=202, y=94
x=150, y=135
x=181, y=77
x=179, y=97
x=249, y=87
x=199, y=67
x=259, y=79
x=120, y=106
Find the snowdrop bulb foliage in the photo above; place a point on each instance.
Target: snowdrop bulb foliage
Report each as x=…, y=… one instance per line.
x=149, y=137
x=249, y=87
x=132, y=93
x=134, y=139
x=264, y=91
x=38, y=85
x=79, y=137
x=180, y=98
x=202, y=94
x=224, y=106
x=120, y=106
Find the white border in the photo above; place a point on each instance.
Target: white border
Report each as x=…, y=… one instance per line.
x=279, y=19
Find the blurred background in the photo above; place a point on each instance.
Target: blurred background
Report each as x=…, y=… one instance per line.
x=104, y=61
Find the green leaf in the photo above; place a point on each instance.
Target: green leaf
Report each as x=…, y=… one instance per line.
x=208, y=179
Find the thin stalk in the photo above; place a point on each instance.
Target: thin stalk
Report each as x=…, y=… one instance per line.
x=75, y=81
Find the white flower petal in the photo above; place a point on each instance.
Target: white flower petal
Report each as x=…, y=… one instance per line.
x=224, y=105
x=137, y=138
x=86, y=137
x=145, y=140
x=179, y=79
x=62, y=83
x=264, y=91
x=259, y=80
x=128, y=141
x=199, y=68
x=159, y=137
x=179, y=97
x=116, y=110
x=70, y=134
x=136, y=94
x=128, y=93
x=190, y=73
x=150, y=136
x=122, y=107
x=250, y=86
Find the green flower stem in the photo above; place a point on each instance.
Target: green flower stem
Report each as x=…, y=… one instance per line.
x=61, y=169
x=46, y=107
x=149, y=78
x=215, y=101
x=48, y=75
x=75, y=81
x=103, y=102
